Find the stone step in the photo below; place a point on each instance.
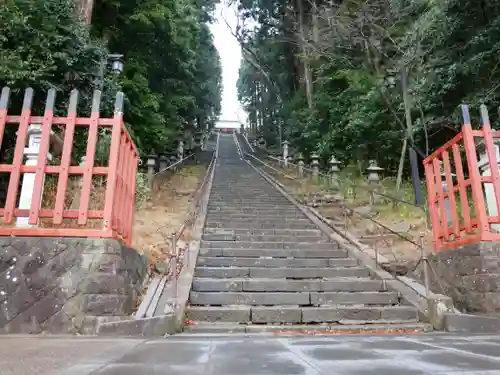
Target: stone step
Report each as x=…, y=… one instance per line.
x=367, y=314
x=264, y=238
x=284, y=285
x=274, y=262
x=252, y=196
x=263, y=232
x=250, y=203
x=211, y=224
x=236, y=204
x=249, y=298
x=250, y=199
x=274, y=253
x=249, y=207
x=236, y=210
x=281, y=273
x=271, y=215
x=293, y=298
x=240, y=191
x=228, y=219
x=266, y=203
x=209, y=329
x=268, y=245
x=249, y=219
x=291, y=314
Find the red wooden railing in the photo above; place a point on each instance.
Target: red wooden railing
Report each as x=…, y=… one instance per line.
x=113, y=217
x=461, y=210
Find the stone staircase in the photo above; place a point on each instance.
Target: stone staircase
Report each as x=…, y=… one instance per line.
x=264, y=266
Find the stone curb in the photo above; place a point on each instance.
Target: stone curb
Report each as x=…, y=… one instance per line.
x=466, y=323
x=156, y=326
x=411, y=291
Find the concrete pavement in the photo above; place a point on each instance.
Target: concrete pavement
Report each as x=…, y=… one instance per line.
x=435, y=354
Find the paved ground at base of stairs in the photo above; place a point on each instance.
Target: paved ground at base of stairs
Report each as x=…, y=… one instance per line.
x=434, y=354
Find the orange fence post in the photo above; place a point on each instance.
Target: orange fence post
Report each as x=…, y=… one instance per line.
x=62, y=182
x=36, y=199
x=15, y=174
x=451, y=193
x=113, y=163
x=89, y=158
x=462, y=189
x=490, y=151
x=475, y=177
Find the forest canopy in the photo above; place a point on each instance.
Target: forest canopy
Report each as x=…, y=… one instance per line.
x=172, y=71
x=326, y=75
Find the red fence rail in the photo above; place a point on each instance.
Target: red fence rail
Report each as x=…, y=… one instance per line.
x=463, y=186
x=94, y=215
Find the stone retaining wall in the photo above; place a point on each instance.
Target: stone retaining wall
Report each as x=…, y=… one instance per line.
x=470, y=275
x=66, y=285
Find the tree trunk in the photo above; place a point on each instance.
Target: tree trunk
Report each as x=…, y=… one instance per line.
x=399, y=177
x=85, y=8
x=305, y=61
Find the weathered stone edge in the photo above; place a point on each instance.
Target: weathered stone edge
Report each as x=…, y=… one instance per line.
x=467, y=323
x=156, y=326
x=411, y=294
x=158, y=281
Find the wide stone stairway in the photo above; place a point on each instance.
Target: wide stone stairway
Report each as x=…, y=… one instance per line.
x=264, y=266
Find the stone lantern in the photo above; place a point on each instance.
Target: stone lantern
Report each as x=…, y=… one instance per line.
x=163, y=162
x=151, y=164
x=374, y=180
x=334, y=173
x=315, y=165
x=180, y=148
x=300, y=164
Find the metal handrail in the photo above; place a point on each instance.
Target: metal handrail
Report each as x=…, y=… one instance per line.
x=173, y=165
x=238, y=147
x=248, y=143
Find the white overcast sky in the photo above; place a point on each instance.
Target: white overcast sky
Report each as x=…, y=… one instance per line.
x=230, y=54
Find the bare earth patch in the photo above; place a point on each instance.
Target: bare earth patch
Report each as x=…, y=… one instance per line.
x=170, y=205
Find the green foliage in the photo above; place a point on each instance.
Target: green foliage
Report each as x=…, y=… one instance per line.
x=43, y=44
x=351, y=47
x=172, y=74
x=142, y=189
